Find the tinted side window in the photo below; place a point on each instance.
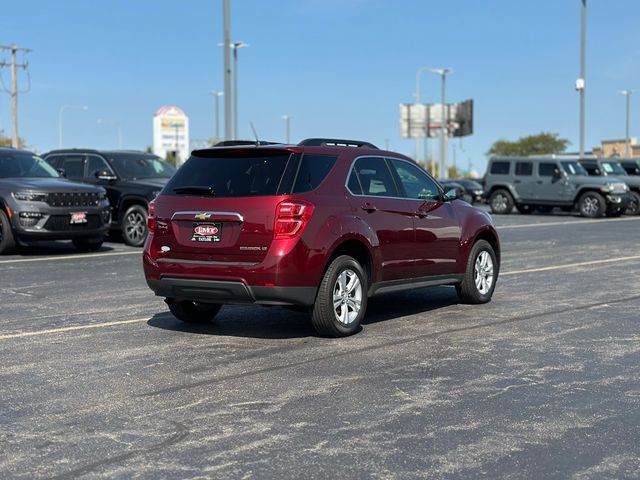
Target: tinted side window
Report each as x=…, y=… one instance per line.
x=500, y=168
x=73, y=166
x=546, y=169
x=375, y=177
x=591, y=169
x=417, y=185
x=354, y=183
x=95, y=164
x=313, y=170
x=524, y=168
x=631, y=168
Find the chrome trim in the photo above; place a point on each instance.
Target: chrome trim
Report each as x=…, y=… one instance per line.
x=235, y=215
x=185, y=261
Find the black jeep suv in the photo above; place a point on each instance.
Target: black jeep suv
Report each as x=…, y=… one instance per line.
x=132, y=179
x=36, y=204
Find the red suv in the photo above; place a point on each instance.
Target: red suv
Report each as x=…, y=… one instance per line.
x=322, y=225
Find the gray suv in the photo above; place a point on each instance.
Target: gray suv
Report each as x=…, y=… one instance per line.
x=36, y=204
x=541, y=183
x=611, y=167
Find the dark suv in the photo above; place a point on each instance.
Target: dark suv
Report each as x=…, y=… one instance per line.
x=321, y=225
x=36, y=204
x=132, y=179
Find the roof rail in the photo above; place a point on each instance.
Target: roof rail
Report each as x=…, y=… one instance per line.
x=335, y=142
x=235, y=143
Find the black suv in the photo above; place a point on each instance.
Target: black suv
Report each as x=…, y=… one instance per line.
x=132, y=179
x=36, y=204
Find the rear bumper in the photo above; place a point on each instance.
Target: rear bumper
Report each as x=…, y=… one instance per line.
x=217, y=291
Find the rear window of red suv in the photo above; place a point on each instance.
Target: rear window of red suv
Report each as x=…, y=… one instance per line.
x=243, y=174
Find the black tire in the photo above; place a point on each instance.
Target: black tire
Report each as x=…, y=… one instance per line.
x=134, y=225
x=634, y=204
x=591, y=205
x=7, y=241
x=193, y=312
x=501, y=202
x=615, y=213
x=88, y=244
x=324, y=316
x=524, y=209
x=544, y=208
x=468, y=291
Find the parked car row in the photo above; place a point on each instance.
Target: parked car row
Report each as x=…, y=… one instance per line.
x=592, y=187
x=77, y=195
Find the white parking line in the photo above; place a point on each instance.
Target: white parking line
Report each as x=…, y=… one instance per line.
x=70, y=257
x=571, y=265
x=576, y=222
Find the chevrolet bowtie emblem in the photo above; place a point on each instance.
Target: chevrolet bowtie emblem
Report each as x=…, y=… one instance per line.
x=203, y=216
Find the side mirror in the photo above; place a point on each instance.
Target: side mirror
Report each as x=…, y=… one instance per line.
x=62, y=172
x=451, y=193
x=105, y=175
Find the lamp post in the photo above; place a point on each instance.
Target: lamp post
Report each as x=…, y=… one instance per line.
x=287, y=122
x=627, y=139
x=444, y=120
x=216, y=97
x=417, y=94
x=235, y=46
x=60, y=112
x=103, y=121
x=580, y=84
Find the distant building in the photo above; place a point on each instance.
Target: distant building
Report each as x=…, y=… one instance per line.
x=615, y=148
x=171, y=133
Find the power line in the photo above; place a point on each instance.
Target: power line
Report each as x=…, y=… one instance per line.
x=14, y=65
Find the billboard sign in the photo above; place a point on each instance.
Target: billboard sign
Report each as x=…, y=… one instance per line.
x=171, y=133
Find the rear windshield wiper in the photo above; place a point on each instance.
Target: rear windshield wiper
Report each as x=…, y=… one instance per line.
x=197, y=189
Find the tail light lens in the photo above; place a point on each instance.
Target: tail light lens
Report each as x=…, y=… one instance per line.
x=292, y=218
x=151, y=218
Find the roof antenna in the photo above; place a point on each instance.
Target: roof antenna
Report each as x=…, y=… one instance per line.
x=255, y=134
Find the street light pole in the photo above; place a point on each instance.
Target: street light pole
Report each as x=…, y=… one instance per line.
x=62, y=109
x=226, y=44
x=583, y=73
x=418, y=74
x=287, y=121
x=216, y=97
x=443, y=120
x=235, y=46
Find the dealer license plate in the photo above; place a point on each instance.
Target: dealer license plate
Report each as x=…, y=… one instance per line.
x=78, y=217
x=206, y=232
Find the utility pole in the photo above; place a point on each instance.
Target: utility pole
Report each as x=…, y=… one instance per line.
x=216, y=95
x=226, y=44
x=14, y=49
x=627, y=139
x=580, y=84
x=235, y=46
x=287, y=123
x=444, y=121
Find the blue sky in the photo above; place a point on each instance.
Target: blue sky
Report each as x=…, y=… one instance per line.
x=339, y=67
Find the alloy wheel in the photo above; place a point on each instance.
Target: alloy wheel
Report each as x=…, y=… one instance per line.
x=499, y=203
x=347, y=297
x=483, y=272
x=135, y=226
x=590, y=206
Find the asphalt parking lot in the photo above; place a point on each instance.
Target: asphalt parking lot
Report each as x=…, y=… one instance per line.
x=98, y=380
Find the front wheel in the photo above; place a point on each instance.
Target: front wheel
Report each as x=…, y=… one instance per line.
x=634, y=204
x=341, y=301
x=480, y=278
x=193, y=312
x=7, y=242
x=591, y=205
x=134, y=226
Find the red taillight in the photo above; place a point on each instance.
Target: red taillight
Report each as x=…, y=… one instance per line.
x=291, y=218
x=151, y=219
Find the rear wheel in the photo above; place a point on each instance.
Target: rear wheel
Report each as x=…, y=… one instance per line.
x=501, y=202
x=634, y=204
x=87, y=244
x=193, y=312
x=481, y=275
x=341, y=302
x=134, y=225
x=7, y=242
x=591, y=205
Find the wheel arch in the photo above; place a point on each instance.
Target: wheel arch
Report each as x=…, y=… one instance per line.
x=506, y=187
x=130, y=200
x=359, y=250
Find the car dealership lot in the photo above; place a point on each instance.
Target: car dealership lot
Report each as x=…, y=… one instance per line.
x=98, y=379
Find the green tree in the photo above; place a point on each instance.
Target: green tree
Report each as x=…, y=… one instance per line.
x=6, y=141
x=540, y=144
